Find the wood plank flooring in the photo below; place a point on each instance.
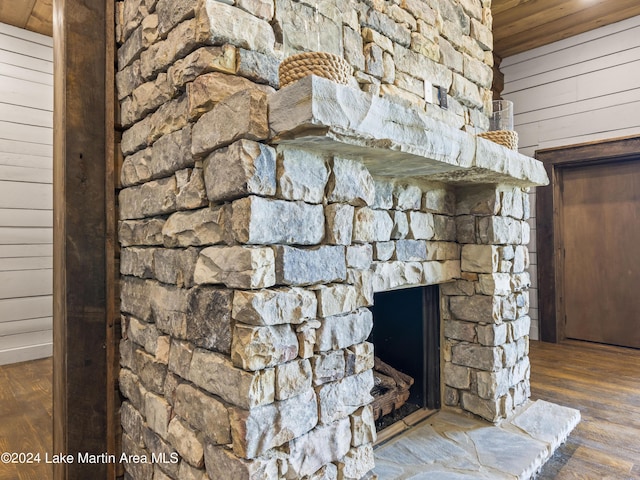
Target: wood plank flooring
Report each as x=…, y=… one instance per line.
x=603, y=382
x=25, y=417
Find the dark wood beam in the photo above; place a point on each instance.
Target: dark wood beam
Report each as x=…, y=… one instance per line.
x=83, y=235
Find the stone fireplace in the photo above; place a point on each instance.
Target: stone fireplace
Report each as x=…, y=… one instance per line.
x=258, y=224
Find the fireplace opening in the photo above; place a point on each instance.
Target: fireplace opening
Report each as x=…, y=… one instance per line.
x=406, y=339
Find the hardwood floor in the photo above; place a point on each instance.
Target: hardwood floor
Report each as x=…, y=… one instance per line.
x=603, y=382
x=25, y=417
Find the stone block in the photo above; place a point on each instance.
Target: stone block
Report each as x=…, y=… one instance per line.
x=342, y=331
x=520, y=328
x=456, y=376
x=132, y=422
x=480, y=258
x=242, y=115
x=411, y=250
x=258, y=67
x=209, y=318
x=293, y=378
x=373, y=60
x=324, y=30
x=160, y=449
x=274, y=307
x=175, y=266
x=180, y=355
x=158, y=413
x=492, y=335
x=307, y=266
x=136, y=470
x=302, y=175
x=236, y=267
x=353, y=50
x=372, y=225
x=262, y=221
x=400, y=225
x=202, y=61
x=172, y=12
x=384, y=251
x=150, y=371
x=134, y=297
x=390, y=275
x=169, y=307
x=466, y=229
x=406, y=196
x=222, y=463
x=255, y=348
x=187, y=472
x=132, y=388
x=128, y=79
x=338, y=224
x=180, y=41
x=147, y=231
x=359, y=358
x=501, y=230
x=195, y=228
x=476, y=308
x=153, y=198
x=465, y=331
x=187, y=442
x=191, y=192
x=490, y=410
x=340, y=399
x=328, y=366
x=306, y=334
x=216, y=374
x=336, y=299
x=350, y=182
x=243, y=168
x=363, y=428
x=359, y=256
x=383, y=198
x=204, y=413
x=421, y=226
x=322, y=445
x=494, y=284
x=142, y=333
x=356, y=463
x=260, y=429
x=445, y=228
x=137, y=262
x=145, y=99
x=477, y=356
x=208, y=90
x=224, y=23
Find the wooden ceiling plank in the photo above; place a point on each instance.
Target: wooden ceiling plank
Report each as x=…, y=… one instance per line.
x=16, y=12
x=41, y=19
x=534, y=11
x=500, y=6
x=568, y=26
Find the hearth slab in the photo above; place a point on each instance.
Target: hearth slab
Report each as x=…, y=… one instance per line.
x=452, y=446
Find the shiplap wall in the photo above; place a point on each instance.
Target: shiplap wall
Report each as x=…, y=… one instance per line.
x=26, y=217
x=582, y=89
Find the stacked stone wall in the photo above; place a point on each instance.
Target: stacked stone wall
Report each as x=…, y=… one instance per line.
x=247, y=268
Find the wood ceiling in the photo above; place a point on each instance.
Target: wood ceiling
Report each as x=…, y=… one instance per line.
x=518, y=25
x=34, y=15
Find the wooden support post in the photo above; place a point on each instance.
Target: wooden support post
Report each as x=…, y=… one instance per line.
x=84, y=225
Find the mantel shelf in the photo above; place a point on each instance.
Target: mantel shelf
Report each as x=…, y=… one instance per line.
x=391, y=139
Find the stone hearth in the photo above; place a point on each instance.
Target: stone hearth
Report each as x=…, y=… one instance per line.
x=256, y=226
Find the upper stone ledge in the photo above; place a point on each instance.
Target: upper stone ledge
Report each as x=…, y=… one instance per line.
x=391, y=139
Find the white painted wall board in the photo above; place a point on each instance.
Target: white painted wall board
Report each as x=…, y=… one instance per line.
x=25, y=263
x=38, y=196
x=26, y=133
x=32, y=250
x=28, y=283
x=23, y=354
x=25, y=236
x=14, y=71
x=22, y=61
x=25, y=339
x=26, y=47
x=25, y=218
x=23, y=92
x=26, y=115
x=23, y=148
x=12, y=309
x=26, y=174
x=26, y=34
x=26, y=326
x=42, y=162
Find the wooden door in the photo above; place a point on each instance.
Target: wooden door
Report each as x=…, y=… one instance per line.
x=600, y=225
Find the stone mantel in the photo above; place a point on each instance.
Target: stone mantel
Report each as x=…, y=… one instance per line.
x=391, y=139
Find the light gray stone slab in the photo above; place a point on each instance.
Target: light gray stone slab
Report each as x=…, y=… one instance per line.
x=548, y=422
x=393, y=139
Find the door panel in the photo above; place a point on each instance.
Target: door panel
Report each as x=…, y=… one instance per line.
x=600, y=222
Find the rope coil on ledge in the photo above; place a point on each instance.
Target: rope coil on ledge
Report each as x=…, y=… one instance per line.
x=322, y=64
x=506, y=138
